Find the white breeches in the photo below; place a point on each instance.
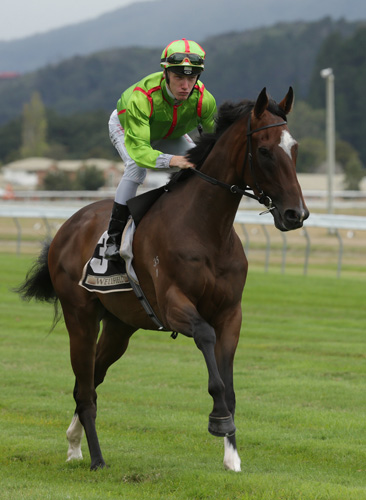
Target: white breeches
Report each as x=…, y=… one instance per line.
x=134, y=175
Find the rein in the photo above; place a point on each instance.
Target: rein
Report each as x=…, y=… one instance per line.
x=262, y=198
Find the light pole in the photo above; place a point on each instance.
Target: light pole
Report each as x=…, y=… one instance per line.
x=328, y=75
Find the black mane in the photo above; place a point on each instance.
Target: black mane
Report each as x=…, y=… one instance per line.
x=228, y=114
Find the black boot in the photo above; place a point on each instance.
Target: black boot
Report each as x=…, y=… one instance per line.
x=117, y=224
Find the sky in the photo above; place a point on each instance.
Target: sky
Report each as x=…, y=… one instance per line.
x=21, y=18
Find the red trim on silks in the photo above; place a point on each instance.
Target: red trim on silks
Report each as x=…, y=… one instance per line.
x=148, y=95
x=122, y=111
x=199, y=104
x=186, y=46
x=166, y=100
x=154, y=89
x=167, y=47
x=201, y=49
x=174, y=122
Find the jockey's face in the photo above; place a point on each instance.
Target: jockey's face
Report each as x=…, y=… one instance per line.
x=181, y=85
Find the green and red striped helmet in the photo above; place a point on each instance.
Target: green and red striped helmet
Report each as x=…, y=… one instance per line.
x=183, y=56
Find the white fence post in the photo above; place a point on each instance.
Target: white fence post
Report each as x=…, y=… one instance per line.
x=17, y=211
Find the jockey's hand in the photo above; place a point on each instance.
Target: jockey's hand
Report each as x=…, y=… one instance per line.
x=180, y=162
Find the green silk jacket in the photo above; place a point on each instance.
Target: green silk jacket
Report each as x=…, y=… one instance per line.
x=147, y=113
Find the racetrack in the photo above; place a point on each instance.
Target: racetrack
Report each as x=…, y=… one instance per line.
x=300, y=382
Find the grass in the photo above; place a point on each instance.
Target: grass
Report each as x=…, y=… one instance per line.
x=300, y=384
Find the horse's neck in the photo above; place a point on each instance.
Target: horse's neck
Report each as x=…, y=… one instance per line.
x=213, y=206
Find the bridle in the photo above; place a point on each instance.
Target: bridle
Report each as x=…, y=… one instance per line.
x=262, y=198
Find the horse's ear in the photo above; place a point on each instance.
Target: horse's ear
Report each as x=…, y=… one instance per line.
x=261, y=103
x=288, y=101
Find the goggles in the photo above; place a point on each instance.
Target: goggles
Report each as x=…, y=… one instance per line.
x=181, y=57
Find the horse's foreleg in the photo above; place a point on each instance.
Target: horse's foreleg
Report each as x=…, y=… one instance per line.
x=227, y=340
x=183, y=317
x=221, y=422
x=231, y=456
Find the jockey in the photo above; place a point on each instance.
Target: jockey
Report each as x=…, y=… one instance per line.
x=150, y=126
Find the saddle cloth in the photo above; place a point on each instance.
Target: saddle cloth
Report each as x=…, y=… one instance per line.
x=106, y=276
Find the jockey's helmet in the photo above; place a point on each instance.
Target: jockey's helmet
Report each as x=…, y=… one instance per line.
x=183, y=57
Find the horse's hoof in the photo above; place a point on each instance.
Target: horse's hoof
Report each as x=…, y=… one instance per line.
x=221, y=426
x=100, y=464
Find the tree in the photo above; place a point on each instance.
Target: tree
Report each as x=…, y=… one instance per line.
x=10, y=141
x=311, y=155
x=344, y=151
x=81, y=135
x=353, y=173
x=305, y=121
x=89, y=178
x=346, y=56
x=34, y=128
x=57, y=180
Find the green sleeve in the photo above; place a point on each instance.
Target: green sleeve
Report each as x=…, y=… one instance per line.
x=209, y=111
x=137, y=131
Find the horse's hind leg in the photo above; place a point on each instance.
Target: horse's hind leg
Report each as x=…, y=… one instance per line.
x=74, y=436
x=83, y=325
x=112, y=344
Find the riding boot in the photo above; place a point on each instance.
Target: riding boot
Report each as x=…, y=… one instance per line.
x=117, y=224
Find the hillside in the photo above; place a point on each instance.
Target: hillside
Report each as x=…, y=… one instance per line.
x=80, y=93
x=238, y=66
x=154, y=24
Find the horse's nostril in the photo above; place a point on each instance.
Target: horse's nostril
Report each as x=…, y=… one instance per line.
x=292, y=215
x=296, y=216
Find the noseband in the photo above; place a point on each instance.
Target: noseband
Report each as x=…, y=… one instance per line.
x=261, y=197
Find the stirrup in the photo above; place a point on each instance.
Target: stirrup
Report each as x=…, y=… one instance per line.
x=112, y=252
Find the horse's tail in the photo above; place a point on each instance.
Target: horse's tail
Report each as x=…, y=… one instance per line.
x=38, y=285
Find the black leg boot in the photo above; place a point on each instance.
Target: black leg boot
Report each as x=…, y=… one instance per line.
x=117, y=224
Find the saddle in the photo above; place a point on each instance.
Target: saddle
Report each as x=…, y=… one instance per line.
x=106, y=276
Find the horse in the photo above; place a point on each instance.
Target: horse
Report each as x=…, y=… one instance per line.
x=188, y=258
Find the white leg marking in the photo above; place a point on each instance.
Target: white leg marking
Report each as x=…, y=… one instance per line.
x=287, y=141
x=231, y=457
x=74, y=434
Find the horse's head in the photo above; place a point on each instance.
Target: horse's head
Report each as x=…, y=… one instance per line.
x=271, y=158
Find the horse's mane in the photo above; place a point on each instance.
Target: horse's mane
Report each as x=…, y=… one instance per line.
x=228, y=114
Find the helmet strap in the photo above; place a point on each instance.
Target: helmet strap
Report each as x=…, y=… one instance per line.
x=195, y=83
x=167, y=78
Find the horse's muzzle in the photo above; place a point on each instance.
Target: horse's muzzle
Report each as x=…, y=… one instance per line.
x=291, y=218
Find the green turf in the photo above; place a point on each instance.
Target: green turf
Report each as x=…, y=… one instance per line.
x=300, y=376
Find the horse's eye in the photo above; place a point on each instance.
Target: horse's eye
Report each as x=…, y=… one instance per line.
x=264, y=152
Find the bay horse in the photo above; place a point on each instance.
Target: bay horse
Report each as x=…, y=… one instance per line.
x=189, y=261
